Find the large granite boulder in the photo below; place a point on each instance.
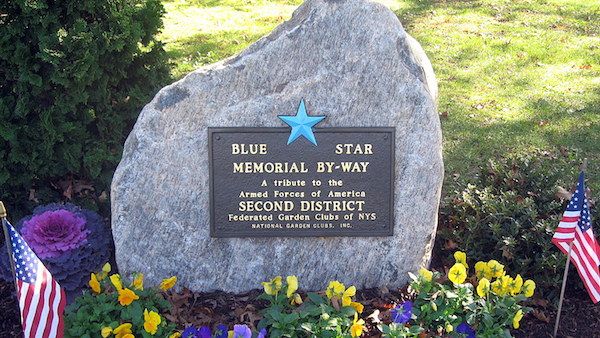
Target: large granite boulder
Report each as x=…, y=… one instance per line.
x=350, y=60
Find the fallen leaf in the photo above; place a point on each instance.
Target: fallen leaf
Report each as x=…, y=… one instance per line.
x=562, y=193
x=450, y=245
x=32, y=196
x=540, y=315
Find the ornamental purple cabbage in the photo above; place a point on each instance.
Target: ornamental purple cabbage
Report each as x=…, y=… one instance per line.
x=54, y=232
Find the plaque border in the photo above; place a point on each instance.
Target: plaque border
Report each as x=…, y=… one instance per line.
x=214, y=130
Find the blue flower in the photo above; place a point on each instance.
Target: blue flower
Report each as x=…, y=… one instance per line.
x=262, y=334
x=221, y=331
x=402, y=313
x=190, y=332
x=241, y=331
x=464, y=328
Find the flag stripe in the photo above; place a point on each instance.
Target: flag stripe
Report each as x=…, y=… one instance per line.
x=591, y=278
x=27, y=309
x=51, y=300
x=40, y=286
x=564, y=247
x=61, y=310
x=45, y=309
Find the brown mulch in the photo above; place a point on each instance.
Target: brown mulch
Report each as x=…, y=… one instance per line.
x=580, y=318
x=9, y=312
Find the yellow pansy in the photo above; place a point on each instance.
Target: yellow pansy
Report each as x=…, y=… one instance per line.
x=496, y=269
x=138, y=282
x=273, y=286
x=517, y=319
x=426, y=274
x=496, y=287
x=528, y=288
x=94, y=284
x=515, y=285
x=116, y=281
x=461, y=258
x=292, y=285
x=128, y=335
x=506, y=282
x=449, y=328
x=357, y=326
x=483, y=287
x=347, y=295
x=151, y=321
x=121, y=330
x=457, y=273
x=106, y=268
x=168, y=283
x=335, y=288
x=296, y=299
x=357, y=306
x=482, y=270
x=127, y=297
x=230, y=334
x=175, y=335
x=104, y=272
x=106, y=331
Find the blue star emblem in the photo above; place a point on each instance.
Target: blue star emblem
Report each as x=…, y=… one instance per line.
x=302, y=124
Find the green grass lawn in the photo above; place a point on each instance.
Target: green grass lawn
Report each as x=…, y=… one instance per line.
x=514, y=76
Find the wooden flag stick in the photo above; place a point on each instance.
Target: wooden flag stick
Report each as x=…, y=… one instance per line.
x=562, y=290
x=566, y=273
x=8, y=246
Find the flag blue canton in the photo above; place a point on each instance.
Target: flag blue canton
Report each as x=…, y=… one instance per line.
x=579, y=202
x=25, y=260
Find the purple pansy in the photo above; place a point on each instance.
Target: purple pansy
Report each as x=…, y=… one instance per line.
x=242, y=331
x=262, y=334
x=54, y=232
x=190, y=332
x=221, y=331
x=204, y=332
x=464, y=328
x=402, y=313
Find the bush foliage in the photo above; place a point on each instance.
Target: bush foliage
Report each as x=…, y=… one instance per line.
x=511, y=211
x=74, y=76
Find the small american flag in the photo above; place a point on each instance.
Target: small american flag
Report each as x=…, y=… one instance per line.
x=576, y=227
x=41, y=299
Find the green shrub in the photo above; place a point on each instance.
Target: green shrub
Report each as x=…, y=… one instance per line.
x=74, y=77
x=511, y=211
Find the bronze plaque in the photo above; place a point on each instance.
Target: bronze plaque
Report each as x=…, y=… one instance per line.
x=262, y=187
